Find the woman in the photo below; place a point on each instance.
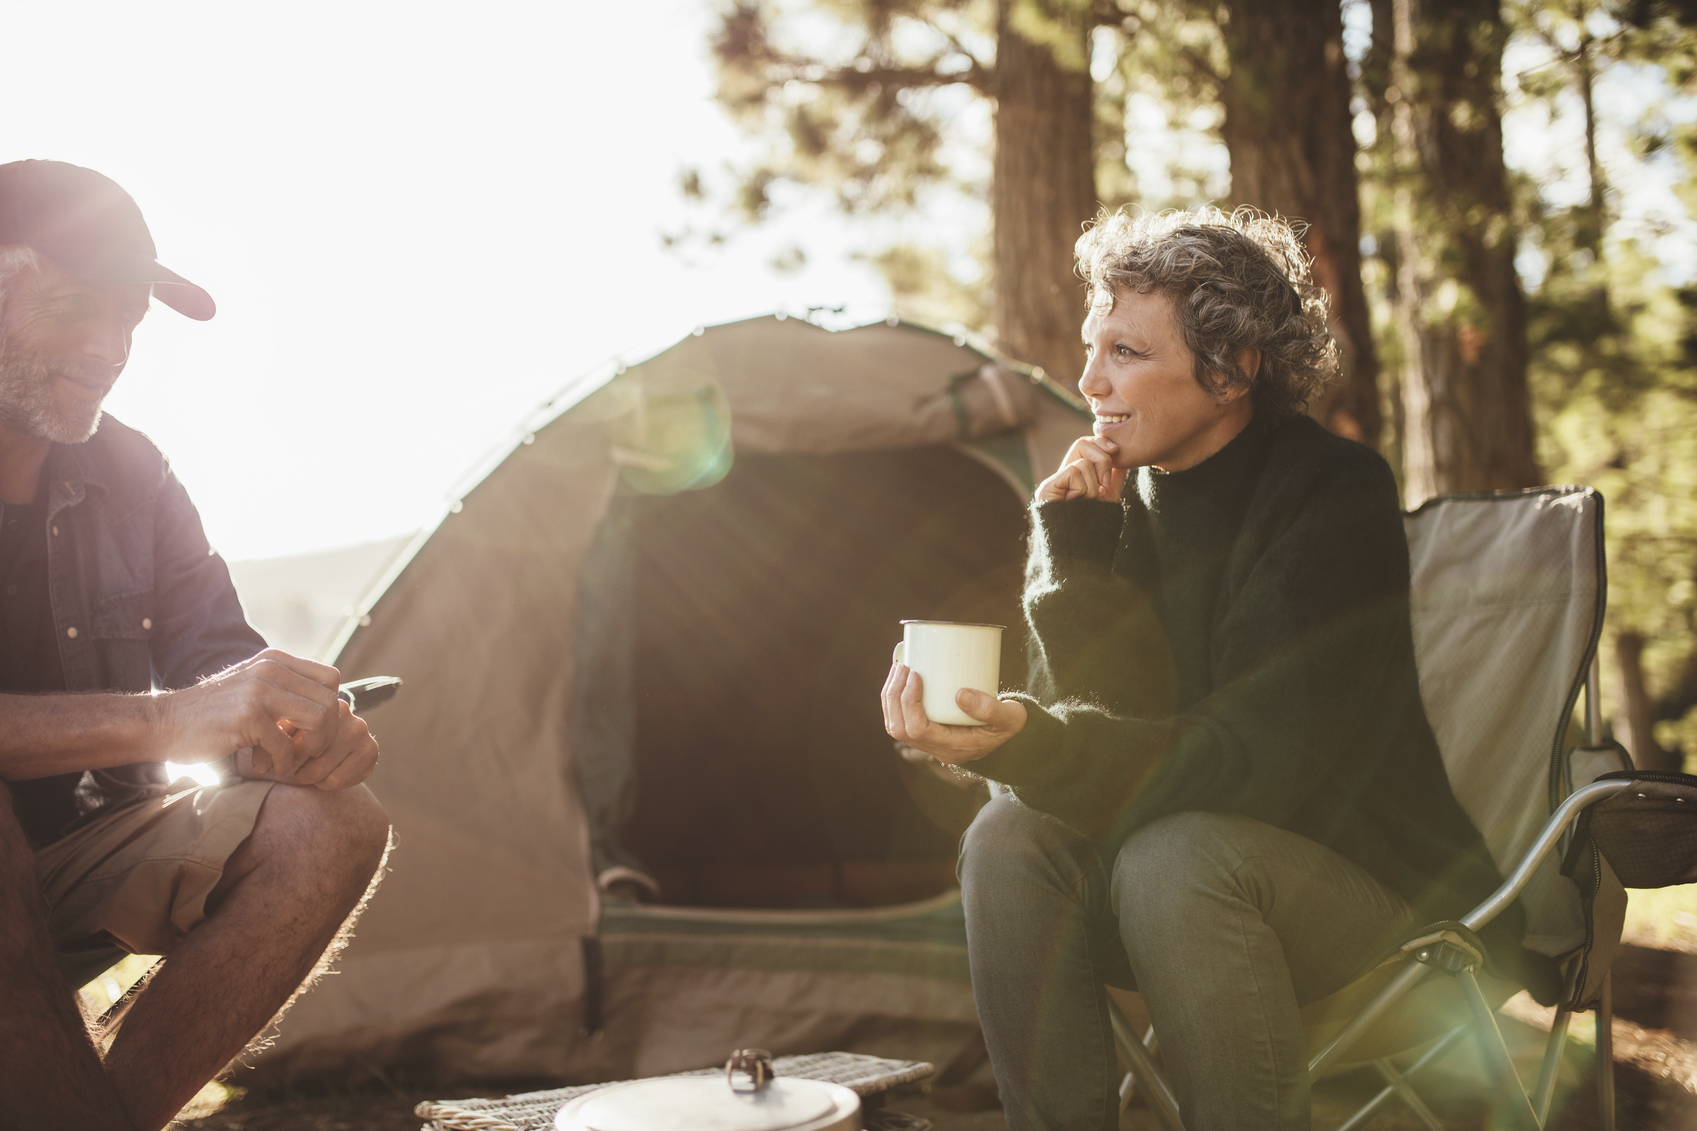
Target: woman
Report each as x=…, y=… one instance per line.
x=1225, y=793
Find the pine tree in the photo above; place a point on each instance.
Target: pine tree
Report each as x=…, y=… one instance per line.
x=1614, y=356
x=862, y=109
x=864, y=115
x=1286, y=96
x=1460, y=312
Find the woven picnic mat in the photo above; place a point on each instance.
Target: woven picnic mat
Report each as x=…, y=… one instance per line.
x=534, y=1111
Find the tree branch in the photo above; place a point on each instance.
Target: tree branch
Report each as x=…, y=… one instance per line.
x=856, y=81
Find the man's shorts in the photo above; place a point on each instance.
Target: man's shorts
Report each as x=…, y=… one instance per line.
x=137, y=878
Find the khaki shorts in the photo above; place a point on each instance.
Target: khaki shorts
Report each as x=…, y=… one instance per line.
x=137, y=879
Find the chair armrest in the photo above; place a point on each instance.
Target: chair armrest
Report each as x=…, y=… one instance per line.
x=1577, y=802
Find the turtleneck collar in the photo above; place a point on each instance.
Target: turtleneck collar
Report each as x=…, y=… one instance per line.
x=1219, y=486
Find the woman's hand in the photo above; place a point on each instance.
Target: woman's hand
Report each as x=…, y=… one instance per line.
x=1087, y=472
x=905, y=720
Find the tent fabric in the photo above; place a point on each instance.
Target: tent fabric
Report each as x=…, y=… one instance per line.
x=783, y=399
x=762, y=603
x=683, y=980
x=1507, y=601
x=470, y=961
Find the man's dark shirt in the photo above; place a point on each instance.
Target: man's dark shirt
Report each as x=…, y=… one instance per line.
x=117, y=590
x=29, y=653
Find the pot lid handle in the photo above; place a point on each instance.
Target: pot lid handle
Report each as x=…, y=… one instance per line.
x=753, y=1066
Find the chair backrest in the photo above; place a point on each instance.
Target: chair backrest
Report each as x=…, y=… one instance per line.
x=1507, y=595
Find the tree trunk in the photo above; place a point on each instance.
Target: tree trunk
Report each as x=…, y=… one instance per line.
x=1636, y=728
x=1591, y=233
x=1287, y=128
x=1460, y=311
x=1043, y=188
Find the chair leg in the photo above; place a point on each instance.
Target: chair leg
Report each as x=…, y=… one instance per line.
x=1406, y=979
x=1606, y=1056
x=1128, y=1086
x=1430, y=1056
x=1400, y=1086
x=1161, y=1099
x=1496, y=1054
x=1545, y=1093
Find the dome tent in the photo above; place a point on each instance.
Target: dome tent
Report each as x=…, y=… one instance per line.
x=652, y=635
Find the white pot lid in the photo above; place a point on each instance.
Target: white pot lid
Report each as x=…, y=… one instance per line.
x=707, y=1103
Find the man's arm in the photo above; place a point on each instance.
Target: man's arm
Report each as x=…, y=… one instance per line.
x=283, y=705
x=200, y=628
x=42, y=735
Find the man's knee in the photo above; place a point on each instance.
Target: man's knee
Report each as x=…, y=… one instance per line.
x=18, y=882
x=344, y=832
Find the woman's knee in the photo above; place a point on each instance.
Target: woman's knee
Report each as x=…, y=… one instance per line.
x=1177, y=856
x=1009, y=839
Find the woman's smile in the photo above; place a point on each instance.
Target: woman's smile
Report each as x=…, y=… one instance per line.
x=1138, y=362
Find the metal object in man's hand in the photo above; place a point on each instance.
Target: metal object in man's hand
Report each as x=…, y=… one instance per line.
x=364, y=694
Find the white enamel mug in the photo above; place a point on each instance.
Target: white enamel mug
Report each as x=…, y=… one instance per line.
x=949, y=656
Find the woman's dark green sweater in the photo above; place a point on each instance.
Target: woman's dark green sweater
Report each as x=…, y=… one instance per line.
x=1235, y=638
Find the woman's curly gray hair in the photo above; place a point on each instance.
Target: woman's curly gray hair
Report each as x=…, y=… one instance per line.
x=1237, y=281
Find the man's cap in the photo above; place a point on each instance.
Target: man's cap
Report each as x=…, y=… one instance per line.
x=85, y=223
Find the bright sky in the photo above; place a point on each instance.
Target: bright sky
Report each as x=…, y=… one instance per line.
x=419, y=220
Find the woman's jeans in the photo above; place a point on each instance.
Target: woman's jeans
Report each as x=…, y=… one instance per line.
x=1225, y=925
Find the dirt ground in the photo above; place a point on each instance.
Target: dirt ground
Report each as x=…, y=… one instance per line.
x=1655, y=1046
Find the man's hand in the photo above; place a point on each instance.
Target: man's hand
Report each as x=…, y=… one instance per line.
x=1087, y=472
x=283, y=706
x=349, y=759
x=905, y=719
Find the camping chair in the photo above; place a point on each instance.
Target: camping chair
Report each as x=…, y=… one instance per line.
x=1507, y=605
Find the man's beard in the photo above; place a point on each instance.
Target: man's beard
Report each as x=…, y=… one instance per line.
x=27, y=404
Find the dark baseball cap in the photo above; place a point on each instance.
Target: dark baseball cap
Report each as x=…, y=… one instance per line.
x=85, y=223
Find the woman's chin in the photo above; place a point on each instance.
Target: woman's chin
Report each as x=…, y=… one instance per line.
x=1124, y=436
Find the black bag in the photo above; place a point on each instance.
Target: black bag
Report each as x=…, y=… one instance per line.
x=1648, y=833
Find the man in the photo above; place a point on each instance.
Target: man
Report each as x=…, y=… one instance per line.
x=122, y=646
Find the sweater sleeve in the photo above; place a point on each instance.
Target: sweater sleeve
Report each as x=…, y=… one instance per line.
x=1097, y=647
x=1308, y=643
x=1069, y=579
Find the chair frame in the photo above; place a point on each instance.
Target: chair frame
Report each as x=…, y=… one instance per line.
x=1525, y=1111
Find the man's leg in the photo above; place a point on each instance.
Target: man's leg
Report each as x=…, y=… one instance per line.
x=1230, y=926
x=50, y=1076
x=284, y=893
x=1036, y=920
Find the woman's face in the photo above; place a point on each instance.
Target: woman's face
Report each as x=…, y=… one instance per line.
x=1139, y=377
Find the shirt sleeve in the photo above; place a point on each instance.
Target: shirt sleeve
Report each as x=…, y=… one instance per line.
x=1309, y=643
x=199, y=627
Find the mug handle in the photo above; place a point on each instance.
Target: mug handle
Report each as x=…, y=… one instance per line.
x=899, y=656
